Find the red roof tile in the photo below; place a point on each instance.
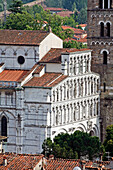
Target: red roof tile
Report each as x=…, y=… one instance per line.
x=38, y=69
x=54, y=55
x=61, y=164
x=47, y=80
x=65, y=13
x=76, y=31
x=22, y=37
x=82, y=25
x=19, y=162
x=12, y=75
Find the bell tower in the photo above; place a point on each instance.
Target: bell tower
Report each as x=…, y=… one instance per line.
x=100, y=40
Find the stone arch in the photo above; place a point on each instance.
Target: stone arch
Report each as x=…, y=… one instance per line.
x=81, y=127
x=104, y=50
x=96, y=130
x=9, y=51
x=59, y=132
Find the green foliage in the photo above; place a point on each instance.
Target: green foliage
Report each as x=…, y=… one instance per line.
x=16, y=6
x=108, y=143
x=74, y=146
x=73, y=44
x=1, y=7
x=19, y=21
x=67, y=4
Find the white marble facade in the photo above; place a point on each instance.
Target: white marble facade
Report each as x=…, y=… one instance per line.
x=34, y=113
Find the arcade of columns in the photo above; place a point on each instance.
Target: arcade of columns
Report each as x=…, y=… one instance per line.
x=81, y=90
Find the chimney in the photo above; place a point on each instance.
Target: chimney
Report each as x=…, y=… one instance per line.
x=4, y=161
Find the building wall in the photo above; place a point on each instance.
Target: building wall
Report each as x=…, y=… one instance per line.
x=51, y=41
x=98, y=44
x=9, y=56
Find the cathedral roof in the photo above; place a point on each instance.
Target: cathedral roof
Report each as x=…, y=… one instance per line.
x=22, y=37
x=54, y=55
x=47, y=80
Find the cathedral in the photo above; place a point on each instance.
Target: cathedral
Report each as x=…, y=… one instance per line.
x=44, y=90
x=100, y=40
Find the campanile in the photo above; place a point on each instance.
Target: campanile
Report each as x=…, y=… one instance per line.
x=100, y=40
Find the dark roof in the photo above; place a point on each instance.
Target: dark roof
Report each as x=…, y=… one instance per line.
x=22, y=37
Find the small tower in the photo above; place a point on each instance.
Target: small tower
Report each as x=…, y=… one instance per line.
x=100, y=40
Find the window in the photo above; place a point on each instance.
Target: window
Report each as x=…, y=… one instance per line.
x=106, y=4
x=102, y=29
x=110, y=4
x=104, y=87
x=104, y=57
x=108, y=29
x=4, y=127
x=9, y=98
x=21, y=60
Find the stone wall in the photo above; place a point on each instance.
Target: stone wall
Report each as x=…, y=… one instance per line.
x=98, y=44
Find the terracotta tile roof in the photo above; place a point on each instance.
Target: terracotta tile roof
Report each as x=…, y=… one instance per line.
x=22, y=37
x=47, y=80
x=54, y=55
x=53, y=9
x=38, y=69
x=12, y=75
x=82, y=25
x=61, y=164
x=72, y=50
x=76, y=31
x=65, y=13
x=20, y=161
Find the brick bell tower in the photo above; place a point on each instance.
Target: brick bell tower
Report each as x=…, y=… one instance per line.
x=100, y=40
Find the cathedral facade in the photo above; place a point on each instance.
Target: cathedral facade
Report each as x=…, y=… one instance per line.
x=100, y=40
x=44, y=90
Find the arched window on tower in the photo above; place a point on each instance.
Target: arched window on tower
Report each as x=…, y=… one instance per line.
x=106, y=4
x=104, y=57
x=110, y=4
x=4, y=127
x=102, y=29
x=100, y=4
x=108, y=29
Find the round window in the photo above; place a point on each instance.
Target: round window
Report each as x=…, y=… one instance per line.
x=21, y=60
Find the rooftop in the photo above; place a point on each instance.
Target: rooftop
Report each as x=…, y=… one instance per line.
x=54, y=55
x=22, y=37
x=12, y=75
x=47, y=80
x=19, y=161
x=65, y=13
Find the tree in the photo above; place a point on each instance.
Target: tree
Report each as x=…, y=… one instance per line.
x=16, y=6
x=108, y=143
x=75, y=145
x=19, y=21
